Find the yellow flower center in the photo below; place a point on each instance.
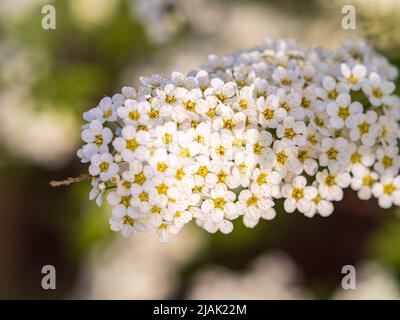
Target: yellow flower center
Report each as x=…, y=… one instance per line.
x=330, y=180
x=312, y=139
x=167, y=138
x=219, y=203
x=107, y=113
x=286, y=81
x=252, y=201
x=387, y=161
x=355, y=157
x=331, y=153
x=268, y=114
x=229, y=124
x=258, y=148
x=220, y=150
x=170, y=99
x=184, y=153
x=377, y=93
x=285, y=105
x=297, y=193
x=126, y=184
x=243, y=104
x=202, y=171
x=305, y=102
x=262, y=178
x=126, y=201
x=221, y=176
x=221, y=97
x=128, y=220
x=162, y=166
x=200, y=139
x=344, y=112
x=289, y=133
x=155, y=210
x=178, y=214
x=367, y=181
x=319, y=122
x=140, y=178
x=143, y=196
x=352, y=80
x=104, y=166
x=317, y=199
x=363, y=127
x=302, y=155
x=154, y=114
x=211, y=113
x=180, y=173
x=190, y=106
x=162, y=188
x=132, y=144
x=389, y=188
x=332, y=94
x=281, y=157
x=98, y=140
x=134, y=115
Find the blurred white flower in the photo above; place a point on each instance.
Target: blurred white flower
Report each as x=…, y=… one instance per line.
x=272, y=276
x=46, y=137
x=140, y=268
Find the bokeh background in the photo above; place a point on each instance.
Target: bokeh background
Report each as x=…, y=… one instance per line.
x=49, y=77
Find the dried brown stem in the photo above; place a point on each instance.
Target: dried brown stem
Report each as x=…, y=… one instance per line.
x=70, y=180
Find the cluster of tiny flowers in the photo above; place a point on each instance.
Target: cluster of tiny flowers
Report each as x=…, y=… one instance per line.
x=227, y=141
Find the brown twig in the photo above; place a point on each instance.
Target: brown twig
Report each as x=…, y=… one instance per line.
x=68, y=181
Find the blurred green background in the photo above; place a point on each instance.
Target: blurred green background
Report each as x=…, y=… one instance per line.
x=49, y=77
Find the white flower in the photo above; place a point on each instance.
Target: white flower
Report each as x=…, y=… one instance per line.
x=284, y=77
x=132, y=144
x=270, y=111
x=362, y=154
x=127, y=223
x=257, y=146
x=363, y=181
x=97, y=191
x=377, y=90
x=292, y=103
x=353, y=77
x=129, y=112
x=221, y=204
x=333, y=153
x=331, y=185
x=367, y=129
x=291, y=132
x=254, y=206
x=243, y=168
x=298, y=195
x=103, y=165
x=387, y=191
x=266, y=182
x=388, y=160
x=285, y=159
x=320, y=205
x=106, y=110
x=222, y=91
x=343, y=112
x=97, y=138
x=330, y=90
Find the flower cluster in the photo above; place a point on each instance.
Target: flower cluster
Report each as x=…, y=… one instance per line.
x=227, y=141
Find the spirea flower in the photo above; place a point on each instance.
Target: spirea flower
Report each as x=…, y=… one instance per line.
x=228, y=141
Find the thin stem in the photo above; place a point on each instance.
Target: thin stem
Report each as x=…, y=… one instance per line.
x=70, y=180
